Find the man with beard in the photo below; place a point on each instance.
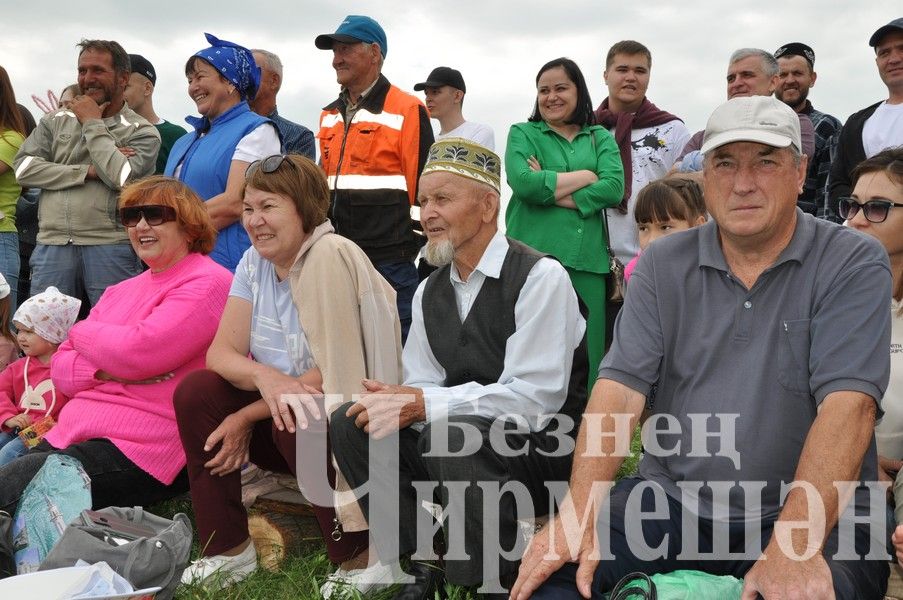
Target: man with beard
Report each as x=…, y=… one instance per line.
x=876, y=127
x=796, y=77
x=480, y=409
x=81, y=157
x=750, y=72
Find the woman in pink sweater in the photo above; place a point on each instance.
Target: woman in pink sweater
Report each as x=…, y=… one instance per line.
x=120, y=366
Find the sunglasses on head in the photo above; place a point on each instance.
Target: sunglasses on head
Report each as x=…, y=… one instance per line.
x=268, y=165
x=153, y=214
x=874, y=211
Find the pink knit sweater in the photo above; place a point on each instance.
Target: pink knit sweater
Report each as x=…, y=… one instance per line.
x=148, y=325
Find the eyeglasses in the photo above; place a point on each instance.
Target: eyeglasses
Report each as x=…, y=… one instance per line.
x=874, y=211
x=268, y=165
x=153, y=214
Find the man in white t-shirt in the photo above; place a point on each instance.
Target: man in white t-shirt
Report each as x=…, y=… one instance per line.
x=649, y=138
x=444, y=90
x=877, y=127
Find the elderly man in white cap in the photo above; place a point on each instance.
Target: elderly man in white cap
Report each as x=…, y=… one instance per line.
x=757, y=343
x=497, y=346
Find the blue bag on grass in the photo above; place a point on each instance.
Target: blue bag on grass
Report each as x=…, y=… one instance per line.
x=57, y=494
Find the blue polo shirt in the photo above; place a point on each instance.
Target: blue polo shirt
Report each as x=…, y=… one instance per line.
x=815, y=322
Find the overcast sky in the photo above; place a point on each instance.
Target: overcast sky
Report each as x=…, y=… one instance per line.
x=498, y=46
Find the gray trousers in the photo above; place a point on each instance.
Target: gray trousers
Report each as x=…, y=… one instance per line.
x=468, y=473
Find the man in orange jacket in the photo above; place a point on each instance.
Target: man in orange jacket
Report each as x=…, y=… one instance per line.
x=373, y=144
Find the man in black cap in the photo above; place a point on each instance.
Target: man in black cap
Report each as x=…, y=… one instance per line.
x=139, y=94
x=877, y=127
x=796, y=77
x=374, y=141
x=444, y=90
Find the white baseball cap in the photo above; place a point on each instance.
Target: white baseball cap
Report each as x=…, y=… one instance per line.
x=761, y=119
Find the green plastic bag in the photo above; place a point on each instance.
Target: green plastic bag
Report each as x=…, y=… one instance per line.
x=677, y=585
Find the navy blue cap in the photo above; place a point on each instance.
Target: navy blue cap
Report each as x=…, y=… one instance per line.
x=355, y=29
x=895, y=25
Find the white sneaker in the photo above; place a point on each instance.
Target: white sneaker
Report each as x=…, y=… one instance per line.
x=375, y=577
x=221, y=571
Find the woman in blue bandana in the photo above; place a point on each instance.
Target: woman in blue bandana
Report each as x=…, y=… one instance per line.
x=227, y=138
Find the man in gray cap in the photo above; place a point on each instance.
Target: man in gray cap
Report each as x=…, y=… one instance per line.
x=373, y=143
x=796, y=77
x=877, y=127
x=472, y=371
x=773, y=322
x=444, y=91
x=139, y=95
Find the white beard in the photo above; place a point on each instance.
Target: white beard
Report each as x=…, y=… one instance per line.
x=439, y=254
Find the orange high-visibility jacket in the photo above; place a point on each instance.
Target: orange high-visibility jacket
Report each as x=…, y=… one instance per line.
x=372, y=165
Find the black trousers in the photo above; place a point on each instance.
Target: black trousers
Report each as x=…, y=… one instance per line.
x=459, y=463
x=853, y=579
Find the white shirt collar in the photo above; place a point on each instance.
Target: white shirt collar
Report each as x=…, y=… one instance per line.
x=490, y=264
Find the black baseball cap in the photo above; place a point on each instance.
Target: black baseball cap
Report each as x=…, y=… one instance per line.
x=142, y=66
x=443, y=76
x=895, y=25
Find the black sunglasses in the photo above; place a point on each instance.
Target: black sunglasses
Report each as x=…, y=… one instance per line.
x=268, y=165
x=874, y=211
x=153, y=214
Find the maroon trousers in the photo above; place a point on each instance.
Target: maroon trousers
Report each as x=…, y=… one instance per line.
x=202, y=400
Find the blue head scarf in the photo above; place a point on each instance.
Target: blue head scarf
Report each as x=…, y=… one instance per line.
x=235, y=63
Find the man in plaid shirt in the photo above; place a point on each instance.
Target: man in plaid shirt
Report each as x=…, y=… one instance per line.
x=797, y=76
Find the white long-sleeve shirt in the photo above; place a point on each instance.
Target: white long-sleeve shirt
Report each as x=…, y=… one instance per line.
x=538, y=355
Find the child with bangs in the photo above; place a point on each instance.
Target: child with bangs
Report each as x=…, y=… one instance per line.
x=664, y=207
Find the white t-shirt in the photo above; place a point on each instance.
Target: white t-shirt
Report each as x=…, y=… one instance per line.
x=476, y=132
x=277, y=339
x=883, y=130
x=889, y=430
x=654, y=151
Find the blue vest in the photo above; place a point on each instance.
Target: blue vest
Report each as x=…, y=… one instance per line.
x=205, y=168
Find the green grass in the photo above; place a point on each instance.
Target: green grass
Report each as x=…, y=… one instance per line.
x=300, y=577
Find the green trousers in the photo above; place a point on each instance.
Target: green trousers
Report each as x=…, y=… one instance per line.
x=591, y=289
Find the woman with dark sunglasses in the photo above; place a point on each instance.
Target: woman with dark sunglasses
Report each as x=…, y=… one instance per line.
x=307, y=315
x=876, y=208
x=120, y=366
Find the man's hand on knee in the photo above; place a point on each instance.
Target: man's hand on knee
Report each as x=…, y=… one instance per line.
x=897, y=539
x=548, y=551
x=775, y=575
x=387, y=408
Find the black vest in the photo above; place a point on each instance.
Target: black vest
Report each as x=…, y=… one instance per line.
x=475, y=350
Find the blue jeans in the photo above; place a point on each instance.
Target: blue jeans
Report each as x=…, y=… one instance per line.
x=11, y=447
x=76, y=269
x=9, y=264
x=115, y=480
x=403, y=277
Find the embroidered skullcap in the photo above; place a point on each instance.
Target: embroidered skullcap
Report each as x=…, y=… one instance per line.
x=467, y=159
x=50, y=314
x=235, y=63
x=797, y=49
x=4, y=287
